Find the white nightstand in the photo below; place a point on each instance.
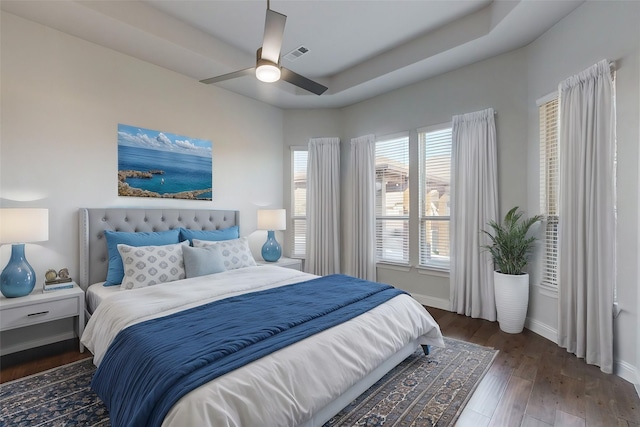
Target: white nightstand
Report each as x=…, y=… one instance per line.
x=294, y=264
x=39, y=307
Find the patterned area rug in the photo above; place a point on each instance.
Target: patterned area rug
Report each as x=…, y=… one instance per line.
x=420, y=391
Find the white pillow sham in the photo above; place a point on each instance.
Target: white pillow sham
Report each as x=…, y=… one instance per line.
x=151, y=265
x=235, y=253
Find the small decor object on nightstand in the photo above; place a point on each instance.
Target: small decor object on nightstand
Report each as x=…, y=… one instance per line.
x=23, y=225
x=53, y=278
x=56, y=281
x=64, y=273
x=271, y=220
x=56, y=286
x=50, y=275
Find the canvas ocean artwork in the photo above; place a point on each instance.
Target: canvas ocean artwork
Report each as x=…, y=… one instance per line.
x=164, y=165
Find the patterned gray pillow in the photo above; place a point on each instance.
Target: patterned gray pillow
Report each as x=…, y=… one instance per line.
x=150, y=265
x=235, y=253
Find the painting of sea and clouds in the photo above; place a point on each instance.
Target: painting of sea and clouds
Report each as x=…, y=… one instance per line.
x=161, y=164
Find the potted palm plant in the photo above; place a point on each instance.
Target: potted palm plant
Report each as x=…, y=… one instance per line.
x=510, y=247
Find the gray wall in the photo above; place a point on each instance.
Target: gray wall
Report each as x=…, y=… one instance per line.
x=499, y=83
x=298, y=127
x=637, y=278
x=594, y=31
x=511, y=83
x=62, y=99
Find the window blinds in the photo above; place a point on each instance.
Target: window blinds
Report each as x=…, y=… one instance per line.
x=392, y=199
x=435, y=181
x=548, y=112
x=299, y=202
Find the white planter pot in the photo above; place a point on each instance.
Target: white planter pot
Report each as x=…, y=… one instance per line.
x=512, y=300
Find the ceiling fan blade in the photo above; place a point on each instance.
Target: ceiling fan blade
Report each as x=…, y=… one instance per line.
x=240, y=73
x=301, y=81
x=273, y=32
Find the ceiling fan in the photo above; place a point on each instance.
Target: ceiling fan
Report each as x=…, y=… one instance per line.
x=268, y=68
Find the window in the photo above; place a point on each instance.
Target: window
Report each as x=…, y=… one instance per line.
x=392, y=199
x=298, y=201
x=435, y=183
x=548, y=112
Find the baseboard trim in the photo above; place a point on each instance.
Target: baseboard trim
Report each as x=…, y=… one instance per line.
x=542, y=329
x=625, y=370
x=37, y=342
x=441, y=303
x=621, y=368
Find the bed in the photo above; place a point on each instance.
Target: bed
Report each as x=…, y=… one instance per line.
x=302, y=383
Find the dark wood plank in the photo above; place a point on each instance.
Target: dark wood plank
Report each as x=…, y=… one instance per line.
x=487, y=395
x=599, y=400
x=32, y=361
x=564, y=419
x=571, y=399
x=528, y=368
x=505, y=363
x=544, y=395
x=573, y=367
x=510, y=410
x=535, y=345
x=471, y=418
x=444, y=318
x=461, y=329
x=529, y=421
x=625, y=401
x=484, y=333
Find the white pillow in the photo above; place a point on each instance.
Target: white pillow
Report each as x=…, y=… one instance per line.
x=150, y=265
x=235, y=253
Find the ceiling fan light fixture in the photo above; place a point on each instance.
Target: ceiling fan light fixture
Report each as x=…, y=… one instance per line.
x=267, y=67
x=267, y=71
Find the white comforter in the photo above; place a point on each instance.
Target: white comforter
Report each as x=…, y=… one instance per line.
x=285, y=388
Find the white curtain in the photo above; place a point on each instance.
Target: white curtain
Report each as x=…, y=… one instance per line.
x=362, y=221
x=323, y=207
x=474, y=202
x=586, y=239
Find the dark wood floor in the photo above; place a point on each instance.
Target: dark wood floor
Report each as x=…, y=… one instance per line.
x=535, y=383
x=532, y=383
x=29, y=362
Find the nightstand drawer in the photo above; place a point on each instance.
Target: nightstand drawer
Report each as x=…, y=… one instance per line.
x=17, y=317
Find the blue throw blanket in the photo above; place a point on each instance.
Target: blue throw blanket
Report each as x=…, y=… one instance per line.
x=151, y=365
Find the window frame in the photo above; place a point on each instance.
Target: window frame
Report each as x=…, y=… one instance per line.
x=438, y=264
x=293, y=217
x=406, y=218
x=549, y=180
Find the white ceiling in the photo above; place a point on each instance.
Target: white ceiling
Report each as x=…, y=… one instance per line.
x=358, y=48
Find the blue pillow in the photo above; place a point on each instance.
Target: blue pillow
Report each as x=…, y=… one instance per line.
x=210, y=235
x=202, y=261
x=115, y=273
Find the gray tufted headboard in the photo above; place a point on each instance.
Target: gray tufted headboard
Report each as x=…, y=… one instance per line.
x=94, y=259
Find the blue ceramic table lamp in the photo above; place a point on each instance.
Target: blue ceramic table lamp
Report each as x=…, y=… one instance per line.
x=271, y=220
x=19, y=226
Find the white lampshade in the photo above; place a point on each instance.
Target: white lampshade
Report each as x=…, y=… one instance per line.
x=268, y=72
x=24, y=225
x=272, y=219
